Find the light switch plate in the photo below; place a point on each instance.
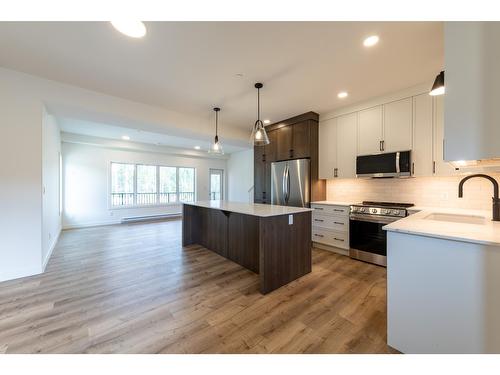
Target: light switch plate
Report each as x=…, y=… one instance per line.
x=290, y=219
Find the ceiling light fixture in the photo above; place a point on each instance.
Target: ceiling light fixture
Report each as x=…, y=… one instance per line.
x=125, y=137
x=342, y=95
x=216, y=147
x=438, y=86
x=371, y=41
x=133, y=29
x=259, y=136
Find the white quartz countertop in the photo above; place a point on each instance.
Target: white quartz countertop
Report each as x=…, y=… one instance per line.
x=487, y=232
x=333, y=203
x=254, y=209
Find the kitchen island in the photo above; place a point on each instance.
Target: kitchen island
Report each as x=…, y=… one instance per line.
x=273, y=241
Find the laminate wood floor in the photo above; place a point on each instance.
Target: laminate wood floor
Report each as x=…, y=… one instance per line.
x=134, y=289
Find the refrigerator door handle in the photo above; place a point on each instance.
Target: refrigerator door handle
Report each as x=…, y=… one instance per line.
x=287, y=184
x=283, y=184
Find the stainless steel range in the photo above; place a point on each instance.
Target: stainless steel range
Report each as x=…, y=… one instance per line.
x=367, y=239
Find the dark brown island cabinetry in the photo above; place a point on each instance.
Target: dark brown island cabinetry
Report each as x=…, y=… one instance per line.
x=277, y=247
x=294, y=138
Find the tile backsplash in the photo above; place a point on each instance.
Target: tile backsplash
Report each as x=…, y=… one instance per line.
x=422, y=191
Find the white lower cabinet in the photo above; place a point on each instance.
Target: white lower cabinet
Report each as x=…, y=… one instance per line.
x=330, y=225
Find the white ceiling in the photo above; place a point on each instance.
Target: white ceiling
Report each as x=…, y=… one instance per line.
x=191, y=67
x=101, y=130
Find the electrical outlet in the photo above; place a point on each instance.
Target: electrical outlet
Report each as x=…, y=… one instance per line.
x=290, y=219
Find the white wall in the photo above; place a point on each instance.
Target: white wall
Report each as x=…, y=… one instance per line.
x=51, y=218
x=86, y=182
x=20, y=180
x=240, y=176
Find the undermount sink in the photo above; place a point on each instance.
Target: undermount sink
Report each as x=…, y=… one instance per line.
x=456, y=218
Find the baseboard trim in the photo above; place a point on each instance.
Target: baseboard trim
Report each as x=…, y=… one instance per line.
x=49, y=254
x=90, y=225
x=333, y=249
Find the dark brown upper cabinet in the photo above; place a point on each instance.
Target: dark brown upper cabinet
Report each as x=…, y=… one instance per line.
x=293, y=141
x=301, y=140
x=272, y=148
x=284, y=143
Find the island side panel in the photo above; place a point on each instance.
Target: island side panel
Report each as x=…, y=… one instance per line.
x=243, y=240
x=285, y=250
x=190, y=225
x=213, y=230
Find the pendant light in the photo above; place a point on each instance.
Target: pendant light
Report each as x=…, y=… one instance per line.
x=438, y=86
x=259, y=136
x=216, y=147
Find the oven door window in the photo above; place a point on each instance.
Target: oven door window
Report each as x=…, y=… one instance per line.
x=368, y=236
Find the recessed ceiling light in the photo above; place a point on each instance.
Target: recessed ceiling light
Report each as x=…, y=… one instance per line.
x=342, y=95
x=267, y=121
x=371, y=41
x=133, y=29
x=197, y=147
x=125, y=137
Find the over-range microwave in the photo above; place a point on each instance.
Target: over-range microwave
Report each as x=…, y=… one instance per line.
x=390, y=164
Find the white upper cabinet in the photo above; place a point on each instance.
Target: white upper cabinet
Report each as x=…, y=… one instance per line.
x=472, y=81
x=422, y=154
x=398, y=126
x=370, y=131
x=441, y=167
x=327, y=148
x=346, y=145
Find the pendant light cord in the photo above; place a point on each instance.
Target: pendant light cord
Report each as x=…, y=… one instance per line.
x=216, y=121
x=258, y=104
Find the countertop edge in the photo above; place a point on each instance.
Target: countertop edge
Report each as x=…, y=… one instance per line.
x=292, y=210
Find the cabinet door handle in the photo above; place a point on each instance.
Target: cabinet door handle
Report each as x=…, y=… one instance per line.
x=318, y=235
x=412, y=168
x=338, y=210
x=338, y=222
x=318, y=208
x=291, y=153
x=433, y=167
x=320, y=220
x=264, y=157
x=383, y=145
x=380, y=145
x=335, y=172
x=338, y=239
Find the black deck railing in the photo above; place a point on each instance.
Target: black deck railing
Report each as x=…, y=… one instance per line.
x=144, y=199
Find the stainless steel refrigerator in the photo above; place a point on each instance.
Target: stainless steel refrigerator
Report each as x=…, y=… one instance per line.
x=291, y=182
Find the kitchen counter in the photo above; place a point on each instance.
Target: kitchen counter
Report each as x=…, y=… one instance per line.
x=487, y=232
x=254, y=209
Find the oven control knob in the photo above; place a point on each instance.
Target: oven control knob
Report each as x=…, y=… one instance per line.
x=395, y=212
x=374, y=210
x=361, y=209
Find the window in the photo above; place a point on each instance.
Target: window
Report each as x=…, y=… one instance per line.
x=143, y=185
x=146, y=185
x=216, y=184
x=168, y=184
x=122, y=184
x=186, y=184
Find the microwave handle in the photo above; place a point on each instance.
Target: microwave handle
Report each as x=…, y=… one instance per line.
x=397, y=163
